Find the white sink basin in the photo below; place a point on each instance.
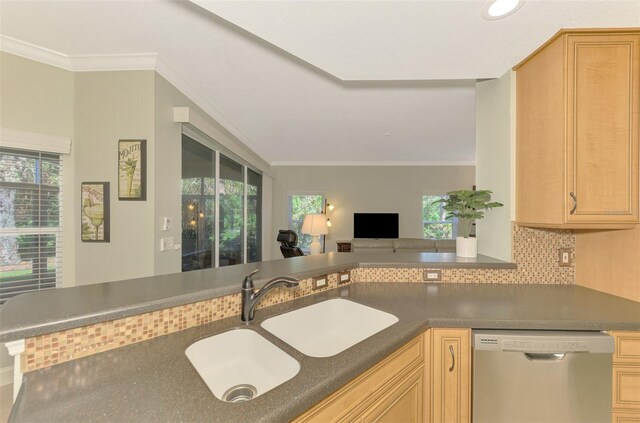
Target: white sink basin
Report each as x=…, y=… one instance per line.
x=329, y=327
x=243, y=360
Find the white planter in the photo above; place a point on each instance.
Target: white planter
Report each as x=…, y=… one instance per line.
x=466, y=247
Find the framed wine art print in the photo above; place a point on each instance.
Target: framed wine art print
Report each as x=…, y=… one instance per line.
x=132, y=170
x=94, y=211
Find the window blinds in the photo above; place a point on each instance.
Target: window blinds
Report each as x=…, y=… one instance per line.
x=30, y=221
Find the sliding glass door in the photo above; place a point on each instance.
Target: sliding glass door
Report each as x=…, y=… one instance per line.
x=221, y=207
x=254, y=216
x=231, y=192
x=198, y=205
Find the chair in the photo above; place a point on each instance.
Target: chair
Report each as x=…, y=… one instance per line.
x=288, y=240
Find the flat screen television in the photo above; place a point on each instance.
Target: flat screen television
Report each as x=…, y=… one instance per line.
x=375, y=225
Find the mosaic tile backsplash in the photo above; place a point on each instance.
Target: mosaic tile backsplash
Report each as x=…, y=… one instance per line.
x=59, y=347
x=534, y=250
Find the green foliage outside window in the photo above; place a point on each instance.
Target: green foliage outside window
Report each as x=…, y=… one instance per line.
x=29, y=199
x=435, y=224
x=299, y=206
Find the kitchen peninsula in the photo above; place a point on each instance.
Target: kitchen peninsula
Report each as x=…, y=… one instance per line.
x=151, y=379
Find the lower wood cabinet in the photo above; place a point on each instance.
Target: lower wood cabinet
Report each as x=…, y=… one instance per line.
x=427, y=380
x=403, y=403
x=391, y=391
x=450, y=375
x=626, y=377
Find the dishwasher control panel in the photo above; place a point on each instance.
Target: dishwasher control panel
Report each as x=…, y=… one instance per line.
x=543, y=346
x=542, y=341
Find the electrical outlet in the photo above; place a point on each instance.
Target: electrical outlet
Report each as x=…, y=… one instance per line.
x=344, y=277
x=564, y=258
x=320, y=282
x=167, y=223
x=432, y=275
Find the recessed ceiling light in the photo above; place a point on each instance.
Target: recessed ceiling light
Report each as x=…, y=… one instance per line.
x=498, y=9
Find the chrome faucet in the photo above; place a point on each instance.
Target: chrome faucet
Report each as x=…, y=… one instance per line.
x=250, y=298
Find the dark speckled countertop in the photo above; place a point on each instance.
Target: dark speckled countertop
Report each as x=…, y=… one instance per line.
x=53, y=310
x=153, y=380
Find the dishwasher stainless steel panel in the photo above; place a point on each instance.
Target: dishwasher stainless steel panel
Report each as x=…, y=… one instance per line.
x=541, y=376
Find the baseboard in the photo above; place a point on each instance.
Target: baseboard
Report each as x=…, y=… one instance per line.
x=6, y=375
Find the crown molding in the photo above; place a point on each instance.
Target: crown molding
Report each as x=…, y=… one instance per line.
x=34, y=52
x=80, y=62
x=373, y=163
x=113, y=62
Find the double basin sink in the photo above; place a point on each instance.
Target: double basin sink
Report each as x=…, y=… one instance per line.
x=241, y=364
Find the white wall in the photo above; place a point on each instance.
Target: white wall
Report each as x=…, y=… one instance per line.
x=495, y=145
x=365, y=189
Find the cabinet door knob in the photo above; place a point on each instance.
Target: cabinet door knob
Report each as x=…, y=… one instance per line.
x=453, y=358
x=575, y=203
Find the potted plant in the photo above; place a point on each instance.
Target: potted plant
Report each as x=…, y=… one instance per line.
x=467, y=206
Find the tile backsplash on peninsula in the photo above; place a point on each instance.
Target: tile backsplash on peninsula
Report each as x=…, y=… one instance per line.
x=534, y=250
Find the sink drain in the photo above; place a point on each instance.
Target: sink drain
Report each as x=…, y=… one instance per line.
x=240, y=393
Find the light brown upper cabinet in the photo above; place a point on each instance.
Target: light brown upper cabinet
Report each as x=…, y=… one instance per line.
x=577, y=105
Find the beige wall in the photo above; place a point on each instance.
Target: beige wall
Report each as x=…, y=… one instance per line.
x=39, y=98
x=111, y=106
x=365, y=189
x=495, y=143
x=608, y=261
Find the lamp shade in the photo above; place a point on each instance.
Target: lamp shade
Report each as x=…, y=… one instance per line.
x=315, y=224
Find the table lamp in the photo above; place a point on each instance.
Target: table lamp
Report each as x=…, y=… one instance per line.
x=315, y=225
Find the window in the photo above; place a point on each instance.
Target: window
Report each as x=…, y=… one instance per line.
x=299, y=206
x=434, y=223
x=30, y=221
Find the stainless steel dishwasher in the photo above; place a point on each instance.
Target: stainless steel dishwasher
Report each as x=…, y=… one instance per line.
x=541, y=376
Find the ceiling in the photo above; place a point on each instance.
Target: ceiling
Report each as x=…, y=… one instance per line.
x=311, y=82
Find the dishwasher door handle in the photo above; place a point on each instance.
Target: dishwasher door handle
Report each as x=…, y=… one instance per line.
x=545, y=356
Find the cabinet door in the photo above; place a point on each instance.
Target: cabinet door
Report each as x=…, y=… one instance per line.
x=402, y=404
x=626, y=377
x=451, y=375
x=358, y=396
x=603, y=78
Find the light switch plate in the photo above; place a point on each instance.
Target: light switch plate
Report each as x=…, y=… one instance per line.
x=167, y=223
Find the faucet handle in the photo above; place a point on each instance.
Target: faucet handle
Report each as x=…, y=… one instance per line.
x=247, y=283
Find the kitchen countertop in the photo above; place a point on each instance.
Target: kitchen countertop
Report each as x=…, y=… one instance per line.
x=47, y=311
x=154, y=381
